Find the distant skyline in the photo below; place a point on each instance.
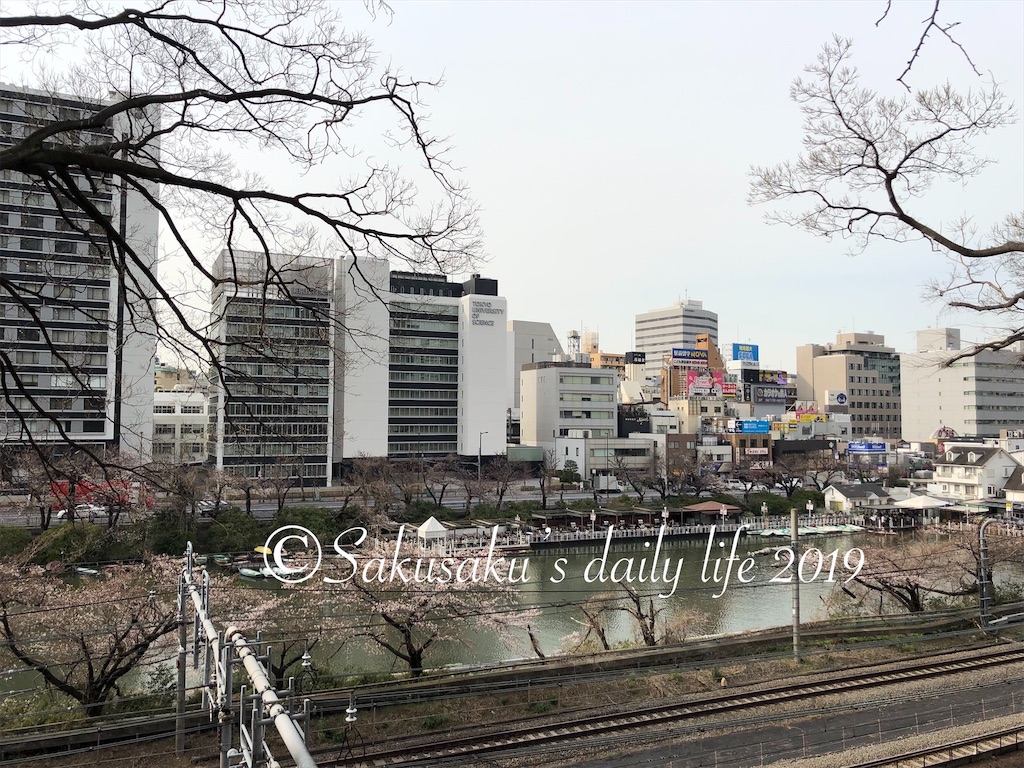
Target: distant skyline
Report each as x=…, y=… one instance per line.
x=609, y=144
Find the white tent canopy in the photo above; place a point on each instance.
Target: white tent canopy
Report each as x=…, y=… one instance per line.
x=431, y=529
x=922, y=502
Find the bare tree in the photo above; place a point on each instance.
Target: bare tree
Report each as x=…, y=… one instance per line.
x=918, y=574
x=637, y=477
x=248, y=485
x=789, y=470
x=548, y=466
x=692, y=468
x=438, y=476
x=179, y=90
x=650, y=620
x=503, y=473
x=824, y=469
x=428, y=604
x=35, y=475
x=657, y=478
x=870, y=159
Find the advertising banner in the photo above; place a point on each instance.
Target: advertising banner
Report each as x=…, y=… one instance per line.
x=700, y=384
x=687, y=355
x=752, y=426
x=866, y=448
x=755, y=376
x=770, y=395
x=747, y=352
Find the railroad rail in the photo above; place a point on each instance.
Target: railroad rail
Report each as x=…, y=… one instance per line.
x=953, y=752
x=531, y=736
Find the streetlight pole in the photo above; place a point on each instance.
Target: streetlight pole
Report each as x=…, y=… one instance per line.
x=479, y=454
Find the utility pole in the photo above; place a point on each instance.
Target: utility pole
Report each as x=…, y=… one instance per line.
x=179, y=720
x=794, y=522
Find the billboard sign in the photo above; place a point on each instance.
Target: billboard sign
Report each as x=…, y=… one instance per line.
x=770, y=395
x=836, y=398
x=636, y=358
x=746, y=352
x=687, y=355
x=752, y=426
x=757, y=376
x=729, y=389
x=866, y=448
x=704, y=384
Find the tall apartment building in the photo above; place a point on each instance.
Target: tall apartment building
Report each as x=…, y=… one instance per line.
x=425, y=364
x=658, y=331
x=63, y=326
x=860, y=366
x=271, y=387
x=976, y=396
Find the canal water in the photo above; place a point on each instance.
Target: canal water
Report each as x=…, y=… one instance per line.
x=561, y=578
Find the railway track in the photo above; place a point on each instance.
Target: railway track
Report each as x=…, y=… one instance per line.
x=952, y=753
x=532, y=736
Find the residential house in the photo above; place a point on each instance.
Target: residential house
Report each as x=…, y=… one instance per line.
x=971, y=471
x=856, y=497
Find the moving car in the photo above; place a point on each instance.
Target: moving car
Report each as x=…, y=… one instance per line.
x=88, y=512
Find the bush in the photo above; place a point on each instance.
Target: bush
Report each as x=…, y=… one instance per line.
x=14, y=541
x=166, y=533
x=78, y=542
x=232, y=531
x=322, y=522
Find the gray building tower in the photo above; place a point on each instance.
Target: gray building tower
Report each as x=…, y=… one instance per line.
x=659, y=330
x=976, y=396
x=78, y=336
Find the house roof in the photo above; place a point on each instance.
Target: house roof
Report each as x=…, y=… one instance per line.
x=861, y=490
x=711, y=506
x=1016, y=481
x=967, y=455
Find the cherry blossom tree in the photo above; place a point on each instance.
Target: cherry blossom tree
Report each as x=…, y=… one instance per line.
x=84, y=638
x=408, y=614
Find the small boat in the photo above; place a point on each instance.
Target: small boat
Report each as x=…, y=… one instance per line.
x=251, y=573
x=82, y=570
x=199, y=559
x=223, y=560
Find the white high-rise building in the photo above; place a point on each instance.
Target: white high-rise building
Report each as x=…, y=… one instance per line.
x=976, y=396
x=659, y=330
x=77, y=335
x=424, y=365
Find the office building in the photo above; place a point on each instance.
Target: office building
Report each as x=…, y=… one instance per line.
x=658, y=331
x=978, y=395
x=271, y=386
x=79, y=338
x=566, y=399
x=860, y=370
x=425, y=365
x=529, y=342
x=180, y=424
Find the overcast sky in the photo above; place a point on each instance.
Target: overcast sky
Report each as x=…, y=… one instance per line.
x=609, y=145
